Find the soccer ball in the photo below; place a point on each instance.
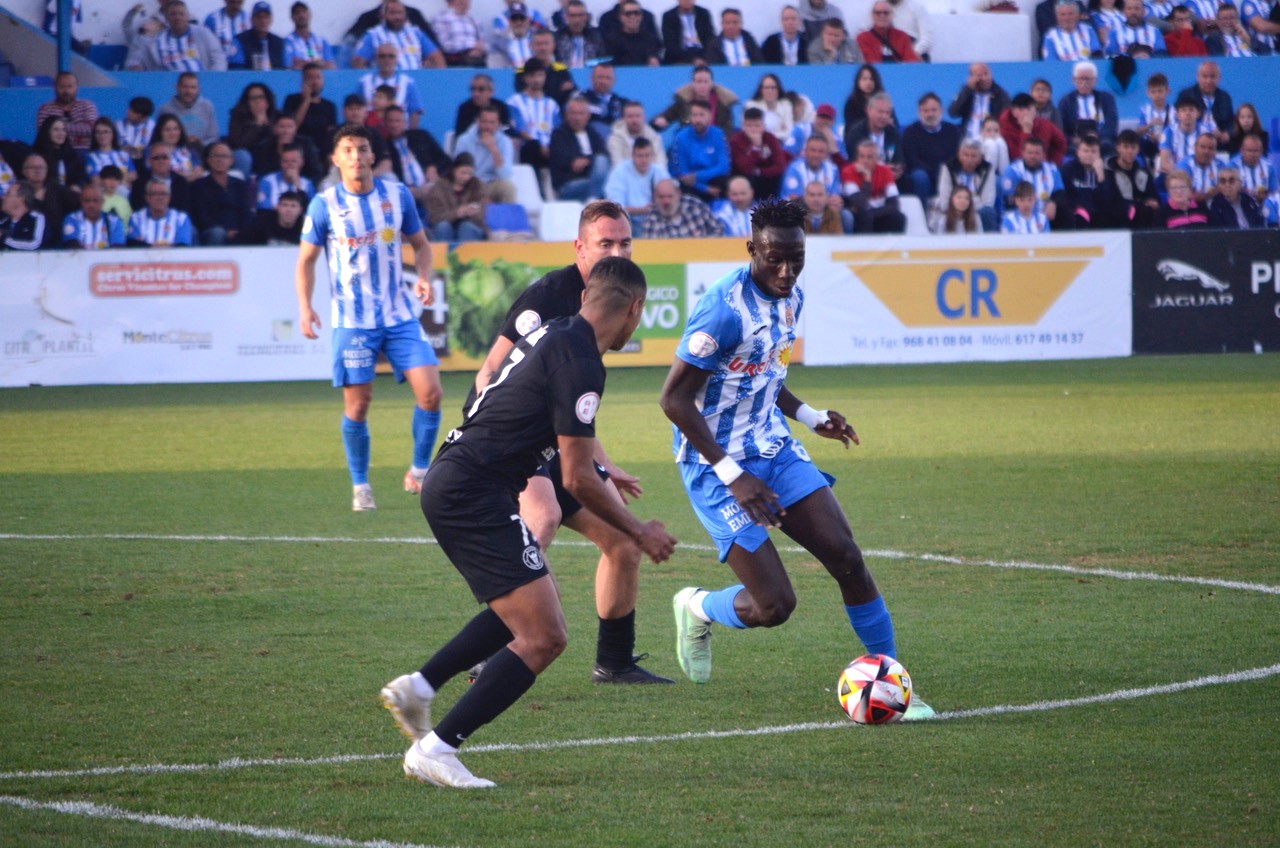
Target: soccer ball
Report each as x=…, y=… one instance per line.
x=874, y=689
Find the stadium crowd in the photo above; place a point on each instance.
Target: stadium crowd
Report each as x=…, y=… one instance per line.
x=978, y=160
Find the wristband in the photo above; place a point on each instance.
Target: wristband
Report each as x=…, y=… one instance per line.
x=811, y=418
x=727, y=470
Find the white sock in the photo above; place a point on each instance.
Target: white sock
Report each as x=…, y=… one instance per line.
x=359, y=486
x=417, y=473
x=432, y=744
x=695, y=605
x=421, y=687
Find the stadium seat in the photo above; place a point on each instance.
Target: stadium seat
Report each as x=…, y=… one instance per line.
x=913, y=210
x=559, y=220
x=109, y=57
x=507, y=221
x=527, y=192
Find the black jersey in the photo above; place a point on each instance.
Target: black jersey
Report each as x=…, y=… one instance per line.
x=557, y=295
x=549, y=385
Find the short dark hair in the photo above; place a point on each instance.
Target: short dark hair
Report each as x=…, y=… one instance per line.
x=641, y=143
x=354, y=99
x=352, y=130
x=754, y=113
x=1188, y=98
x=1033, y=141
x=1088, y=138
x=1157, y=79
x=1128, y=137
x=617, y=281
x=597, y=209
x=778, y=212
x=111, y=172
x=700, y=104
x=296, y=196
x=928, y=95
x=143, y=106
x=1024, y=189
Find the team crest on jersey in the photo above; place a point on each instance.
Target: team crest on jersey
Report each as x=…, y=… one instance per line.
x=701, y=344
x=386, y=206
x=527, y=322
x=789, y=317
x=532, y=558
x=587, y=407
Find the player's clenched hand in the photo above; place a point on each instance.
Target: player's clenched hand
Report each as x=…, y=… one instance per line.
x=424, y=290
x=310, y=322
x=757, y=500
x=838, y=427
x=656, y=541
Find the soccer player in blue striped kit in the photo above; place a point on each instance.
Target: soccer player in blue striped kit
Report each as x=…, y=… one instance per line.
x=359, y=224
x=726, y=395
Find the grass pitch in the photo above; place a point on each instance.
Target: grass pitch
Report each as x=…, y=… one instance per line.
x=194, y=625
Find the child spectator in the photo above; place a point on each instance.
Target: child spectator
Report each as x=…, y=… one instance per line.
x=115, y=197
x=1024, y=219
x=960, y=215
x=137, y=127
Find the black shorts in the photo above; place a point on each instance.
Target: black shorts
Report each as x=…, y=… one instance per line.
x=568, y=503
x=478, y=527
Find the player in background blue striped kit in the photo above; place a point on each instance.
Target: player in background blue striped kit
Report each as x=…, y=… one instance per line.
x=359, y=224
x=726, y=395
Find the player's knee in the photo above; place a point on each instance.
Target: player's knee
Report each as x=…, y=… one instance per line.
x=623, y=553
x=357, y=409
x=549, y=644
x=775, y=609
x=430, y=399
x=544, y=530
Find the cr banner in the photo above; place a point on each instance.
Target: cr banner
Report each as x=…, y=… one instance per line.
x=972, y=298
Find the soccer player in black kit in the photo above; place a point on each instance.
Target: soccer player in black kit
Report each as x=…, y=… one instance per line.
x=543, y=398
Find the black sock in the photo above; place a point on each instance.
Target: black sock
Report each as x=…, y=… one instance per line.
x=616, y=642
x=475, y=642
x=505, y=679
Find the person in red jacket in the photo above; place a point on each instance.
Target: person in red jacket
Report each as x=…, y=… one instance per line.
x=883, y=42
x=1182, y=38
x=1019, y=121
x=871, y=191
x=757, y=154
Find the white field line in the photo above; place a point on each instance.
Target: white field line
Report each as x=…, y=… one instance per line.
x=577, y=543
x=195, y=824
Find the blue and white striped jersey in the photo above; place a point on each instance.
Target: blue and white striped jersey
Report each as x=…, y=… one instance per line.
x=173, y=229
x=1126, y=36
x=744, y=338
x=96, y=160
x=413, y=44
x=1080, y=43
x=1204, y=178
x=310, y=48
x=536, y=116
x=1047, y=180
x=227, y=27
x=361, y=236
x=406, y=90
x=272, y=185
x=1259, y=176
x=135, y=136
x=1016, y=224
x=105, y=232
x=178, y=52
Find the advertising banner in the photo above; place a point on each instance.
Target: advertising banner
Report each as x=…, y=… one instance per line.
x=949, y=299
x=1206, y=292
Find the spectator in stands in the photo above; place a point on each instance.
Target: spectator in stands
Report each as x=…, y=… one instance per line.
x=492, y=154
x=160, y=168
x=106, y=151
x=7, y=176
x=456, y=204
x=252, y=122
x=1180, y=36
x=558, y=84
x=1257, y=174
x=866, y=84
x=981, y=97
x=1082, y=181
x=1247, y=123
x=1042, y=95
x=136, y=127
x=734, y=46
x=778, y=110
x=823, y=217
x=1219, y=111
x=417, y=159
x=630, y=183
x=606, y=104
x=926, y=144
x=460, y=36
x=994, y=148
x=226, y=23
x=1069, y=40
x=912, y=17
x=790, y=45
x=220, y=202
x=1019, y=123
x=1024, y=218
x=414, y=47
x=1260, y=15
x=90, y=228
x=700, y=154
x=734, y=210
x=157, y=224
x=704, y=88
x=53, y=142
x=880, y=128
x=373, y=17
x=481, y=98
x=635, y=40
x=22, y=225
x=678, y=216
x=180, y=46
x=259, y=48
x=1179, y=138
x=1231, y=208
x=1154, y=115
x=579, y=43
x=511, y=45
x=557, y=17
x=686, y=31
x=316, y=115
x=139, y=27
x=75, y=15
x=579, y=160
x=630, y=129
x=959, y=214
x=1179, y=210
x=815, y=14
x=533, y=116
x=1088, y=110
x=1134, y=33
x=1202, y=165
x=871, y=192
x=814, y=164
x=1106, y=16
x=272, y=186
x=1128, y=197
x=266, y=155
x=199, y=118
x=80, y=114
x=386, y=58
x=757, y=155
x=279, y=226
x=883, y=42
x=969, y=170
x=1042, y=174
x=823, y=124
x=115, y=195
x=303, y=47
x=185, y=154
x=833, y=46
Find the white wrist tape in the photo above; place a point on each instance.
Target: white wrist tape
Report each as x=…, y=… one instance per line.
x=812, y=418
x=727, y=470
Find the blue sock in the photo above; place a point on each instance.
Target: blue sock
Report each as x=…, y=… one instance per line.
x=355, y=438
x=425, y=427
x=719, y=607
x=874, y=626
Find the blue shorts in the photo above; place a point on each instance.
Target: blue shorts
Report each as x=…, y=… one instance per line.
x=790, y=473
x=355, y=352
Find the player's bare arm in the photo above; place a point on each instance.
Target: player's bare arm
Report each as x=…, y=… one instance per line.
x=422, y=264
x=304, y=278
x=684, y=383
x=501, y=347
x=826, y=422
x=577, y=469
x=628, y=485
